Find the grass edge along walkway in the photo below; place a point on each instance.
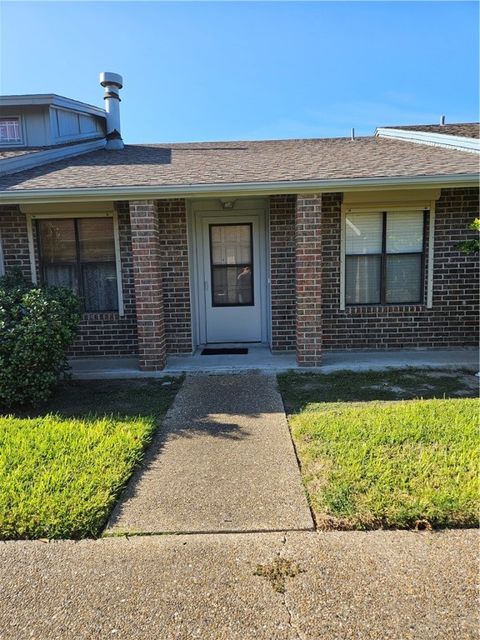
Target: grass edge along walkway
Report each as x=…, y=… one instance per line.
x=63, y=467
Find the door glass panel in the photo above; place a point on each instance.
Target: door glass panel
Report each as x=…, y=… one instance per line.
x=231, y=244
x=232, y=286
x=231, y=265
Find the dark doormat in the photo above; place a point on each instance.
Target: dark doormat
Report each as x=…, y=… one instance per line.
x=224, y=352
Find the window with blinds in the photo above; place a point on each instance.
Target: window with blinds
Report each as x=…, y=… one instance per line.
x=384, y=257
x=79, y=254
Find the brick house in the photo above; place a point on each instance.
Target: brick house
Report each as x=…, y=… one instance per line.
x=301, y=245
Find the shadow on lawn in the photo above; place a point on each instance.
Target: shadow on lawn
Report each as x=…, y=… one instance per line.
x=94, y=399
x=301, y=390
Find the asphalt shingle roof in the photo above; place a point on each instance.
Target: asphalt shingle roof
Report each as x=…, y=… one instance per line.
x=244, y=162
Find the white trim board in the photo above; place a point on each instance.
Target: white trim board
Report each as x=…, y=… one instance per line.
x=459, y=143
x=201, y=209
x=37, y=158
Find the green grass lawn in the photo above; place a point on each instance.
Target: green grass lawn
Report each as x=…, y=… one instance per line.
x=62, y=468
x=370, y=460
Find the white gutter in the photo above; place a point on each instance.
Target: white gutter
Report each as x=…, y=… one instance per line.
x=13, y=196
x=435, y=139
x=38, y=158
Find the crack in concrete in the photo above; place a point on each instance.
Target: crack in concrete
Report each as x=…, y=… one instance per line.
x=288, y=608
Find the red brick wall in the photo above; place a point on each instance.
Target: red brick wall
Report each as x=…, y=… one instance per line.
x=147, y=273
x=453, y=320
x=176, y=283
x=100, y=334
x=282, y=272
x=13, y=233
x=309, y=261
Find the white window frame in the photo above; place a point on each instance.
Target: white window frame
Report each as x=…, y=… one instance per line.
x=428, y=303
x=19, y=142
x=69, y=215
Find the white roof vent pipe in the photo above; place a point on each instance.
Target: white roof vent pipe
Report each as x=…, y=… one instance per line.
x=112, y=82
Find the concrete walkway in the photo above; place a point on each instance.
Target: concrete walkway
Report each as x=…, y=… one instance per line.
x=223, y=460
x=259, y=357
x=382, y=585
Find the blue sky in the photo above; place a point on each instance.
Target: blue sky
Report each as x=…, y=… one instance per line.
x=252, y=70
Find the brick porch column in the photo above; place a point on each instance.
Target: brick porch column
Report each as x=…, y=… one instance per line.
x=148, y=284
x=308, y=265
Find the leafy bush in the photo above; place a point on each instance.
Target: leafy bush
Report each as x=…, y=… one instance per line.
x=472, y=246
x=37, y=325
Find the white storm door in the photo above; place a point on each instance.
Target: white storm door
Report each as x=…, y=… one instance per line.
x=232, y=279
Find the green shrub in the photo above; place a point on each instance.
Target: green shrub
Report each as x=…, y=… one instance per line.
x=37, y=325
x=469, y=247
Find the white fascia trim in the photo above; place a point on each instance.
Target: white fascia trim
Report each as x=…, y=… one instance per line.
x=18, y=196
x=458, y=143
x=38, y=158
x=50, y=99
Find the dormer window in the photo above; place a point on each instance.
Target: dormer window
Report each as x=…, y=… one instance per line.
x=10, y=130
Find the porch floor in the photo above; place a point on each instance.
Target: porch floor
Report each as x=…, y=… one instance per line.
x=260, y=357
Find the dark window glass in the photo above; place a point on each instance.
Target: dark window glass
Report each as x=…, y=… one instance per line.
x=363, y=279
x=96, y=240
x=80, y=254
x=61, y=275
x=403, y=282
x=231, y=265
x=57, y=241
x=100, y=286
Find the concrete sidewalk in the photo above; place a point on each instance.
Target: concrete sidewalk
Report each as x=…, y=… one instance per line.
x=382, y=585
x=223, y=460
x=260, y=358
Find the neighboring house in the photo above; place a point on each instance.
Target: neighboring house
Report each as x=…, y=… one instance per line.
x=306, y=245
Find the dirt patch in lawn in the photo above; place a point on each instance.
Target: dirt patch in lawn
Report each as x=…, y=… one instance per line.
x=300, y=390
